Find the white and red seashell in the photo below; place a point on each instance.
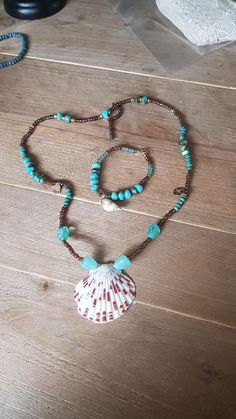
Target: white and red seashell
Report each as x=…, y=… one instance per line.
x=105, y=295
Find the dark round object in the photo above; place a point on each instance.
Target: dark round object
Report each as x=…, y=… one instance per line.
x=33, y=9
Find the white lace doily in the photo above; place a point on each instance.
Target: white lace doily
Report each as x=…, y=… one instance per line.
x=203, y=22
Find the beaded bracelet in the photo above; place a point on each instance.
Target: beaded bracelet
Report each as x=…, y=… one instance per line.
x=107, y=292
x=22, y=52
x=108, y=199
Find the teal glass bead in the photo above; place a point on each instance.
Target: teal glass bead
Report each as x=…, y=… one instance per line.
x=139, y=188
x=94, y=176
x=94, y=182
x=154, y=231
x=121, y=196
x=128, y=194
x=67, y=118
x=68, y=193
x=89, y=263
x=30, y=169
x=22, y=149
x=114, y=196
x=41, y=180
x=144, y=100
x=63, y=233
x=26, y=160
x=96, y=165
x=23, y=154
x=94, y=187
x=28, y=165
x=105, y=113
x=136, y=99
x=59, y=116
x=150, y=170
x=185, y=153
x=66, y=202
x=182, y=130
x=121, y=262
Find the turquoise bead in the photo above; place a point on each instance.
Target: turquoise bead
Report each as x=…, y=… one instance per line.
x=30, y=169
x=28, y=164
x=67, y=118
x=144, y=100
x=136, y=99
x=89, y=263
x=94, y=176
x=150, y=170
x=134, y=192
x=185, y=153
x=26, y=160
x=121, y=262
x=59, y=116
x=154, y=231
x=139, y=188
x=94, y=187
x=105, y=113
x=128, y=194
x=96, y=165
x=121, y=196
x=68, y=193
x=114, y=196
x=67, y=201
x=94, y=182
x=183, y=130
x=63, y=233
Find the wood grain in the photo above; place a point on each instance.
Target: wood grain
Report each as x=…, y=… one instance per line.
x=91, y=33
x=173, y=355
x=183, y=271
x=212, y=136
x=55, y=364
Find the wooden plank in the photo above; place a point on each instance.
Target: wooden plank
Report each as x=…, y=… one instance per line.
x=91, y=33
x=212, y=136
x=151, y=363
x=182, y=271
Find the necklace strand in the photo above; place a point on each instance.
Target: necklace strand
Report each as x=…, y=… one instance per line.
x=111, y=114
x=21, y=54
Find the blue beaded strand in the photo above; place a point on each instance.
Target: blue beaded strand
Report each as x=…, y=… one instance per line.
x=29, y=167
x=183, y=148
x=67, y=118
x=21, y=54
x=181, y=201
x=124, y=194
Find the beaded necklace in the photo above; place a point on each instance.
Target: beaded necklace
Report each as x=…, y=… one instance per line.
x=107, y=292
x=22, y=52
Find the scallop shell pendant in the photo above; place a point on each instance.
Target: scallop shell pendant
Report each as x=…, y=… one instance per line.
x=105, y=295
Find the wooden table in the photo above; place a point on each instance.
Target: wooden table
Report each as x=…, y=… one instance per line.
x=173, y=355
